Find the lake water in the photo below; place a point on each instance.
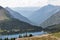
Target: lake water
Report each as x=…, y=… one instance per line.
x=17, y=35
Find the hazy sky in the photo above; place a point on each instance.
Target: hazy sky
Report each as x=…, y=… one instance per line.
x=23, y=3
x=55, y=2
x=27, y=3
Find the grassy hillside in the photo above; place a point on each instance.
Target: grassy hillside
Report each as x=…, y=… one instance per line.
x=56, y=34
x=43, y=37
x=53, y=28
x=15, y=26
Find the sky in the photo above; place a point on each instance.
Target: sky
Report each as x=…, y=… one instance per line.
x=23, y=3
x=54, y=2
x=27, y=3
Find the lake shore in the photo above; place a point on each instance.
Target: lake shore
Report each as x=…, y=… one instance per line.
x=22, y=35
x=42, y=37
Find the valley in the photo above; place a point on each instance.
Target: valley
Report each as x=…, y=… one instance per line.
x=43, y=21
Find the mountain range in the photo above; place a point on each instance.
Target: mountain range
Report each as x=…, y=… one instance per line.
x=45, y=16
x=54, y=19
x=18, y=16
x=25, y=11
x=10, y=22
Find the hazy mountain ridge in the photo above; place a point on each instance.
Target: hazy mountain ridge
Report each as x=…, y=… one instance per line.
x=40, y=15
x=25, y=11
x=18, y=16
x=54, y=19
x=43, y=13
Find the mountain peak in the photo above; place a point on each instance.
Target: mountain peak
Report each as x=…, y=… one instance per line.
x=7, y=8
x=43, y=13
x=1, y=7
x=50, y=5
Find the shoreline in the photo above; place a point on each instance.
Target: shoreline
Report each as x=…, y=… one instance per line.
x=42, y=37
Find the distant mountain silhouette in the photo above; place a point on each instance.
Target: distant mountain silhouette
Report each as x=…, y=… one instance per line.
x=26, y=11
x=43, y=14
x=18, y=16
x=54, y=19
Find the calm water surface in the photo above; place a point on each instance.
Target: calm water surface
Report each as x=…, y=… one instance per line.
x=17, y=35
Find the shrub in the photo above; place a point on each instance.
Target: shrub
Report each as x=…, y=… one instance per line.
x=12, y=38
x=30, y=35
x=6, y=39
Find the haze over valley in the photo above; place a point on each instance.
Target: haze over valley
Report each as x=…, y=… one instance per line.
x=30, y=19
